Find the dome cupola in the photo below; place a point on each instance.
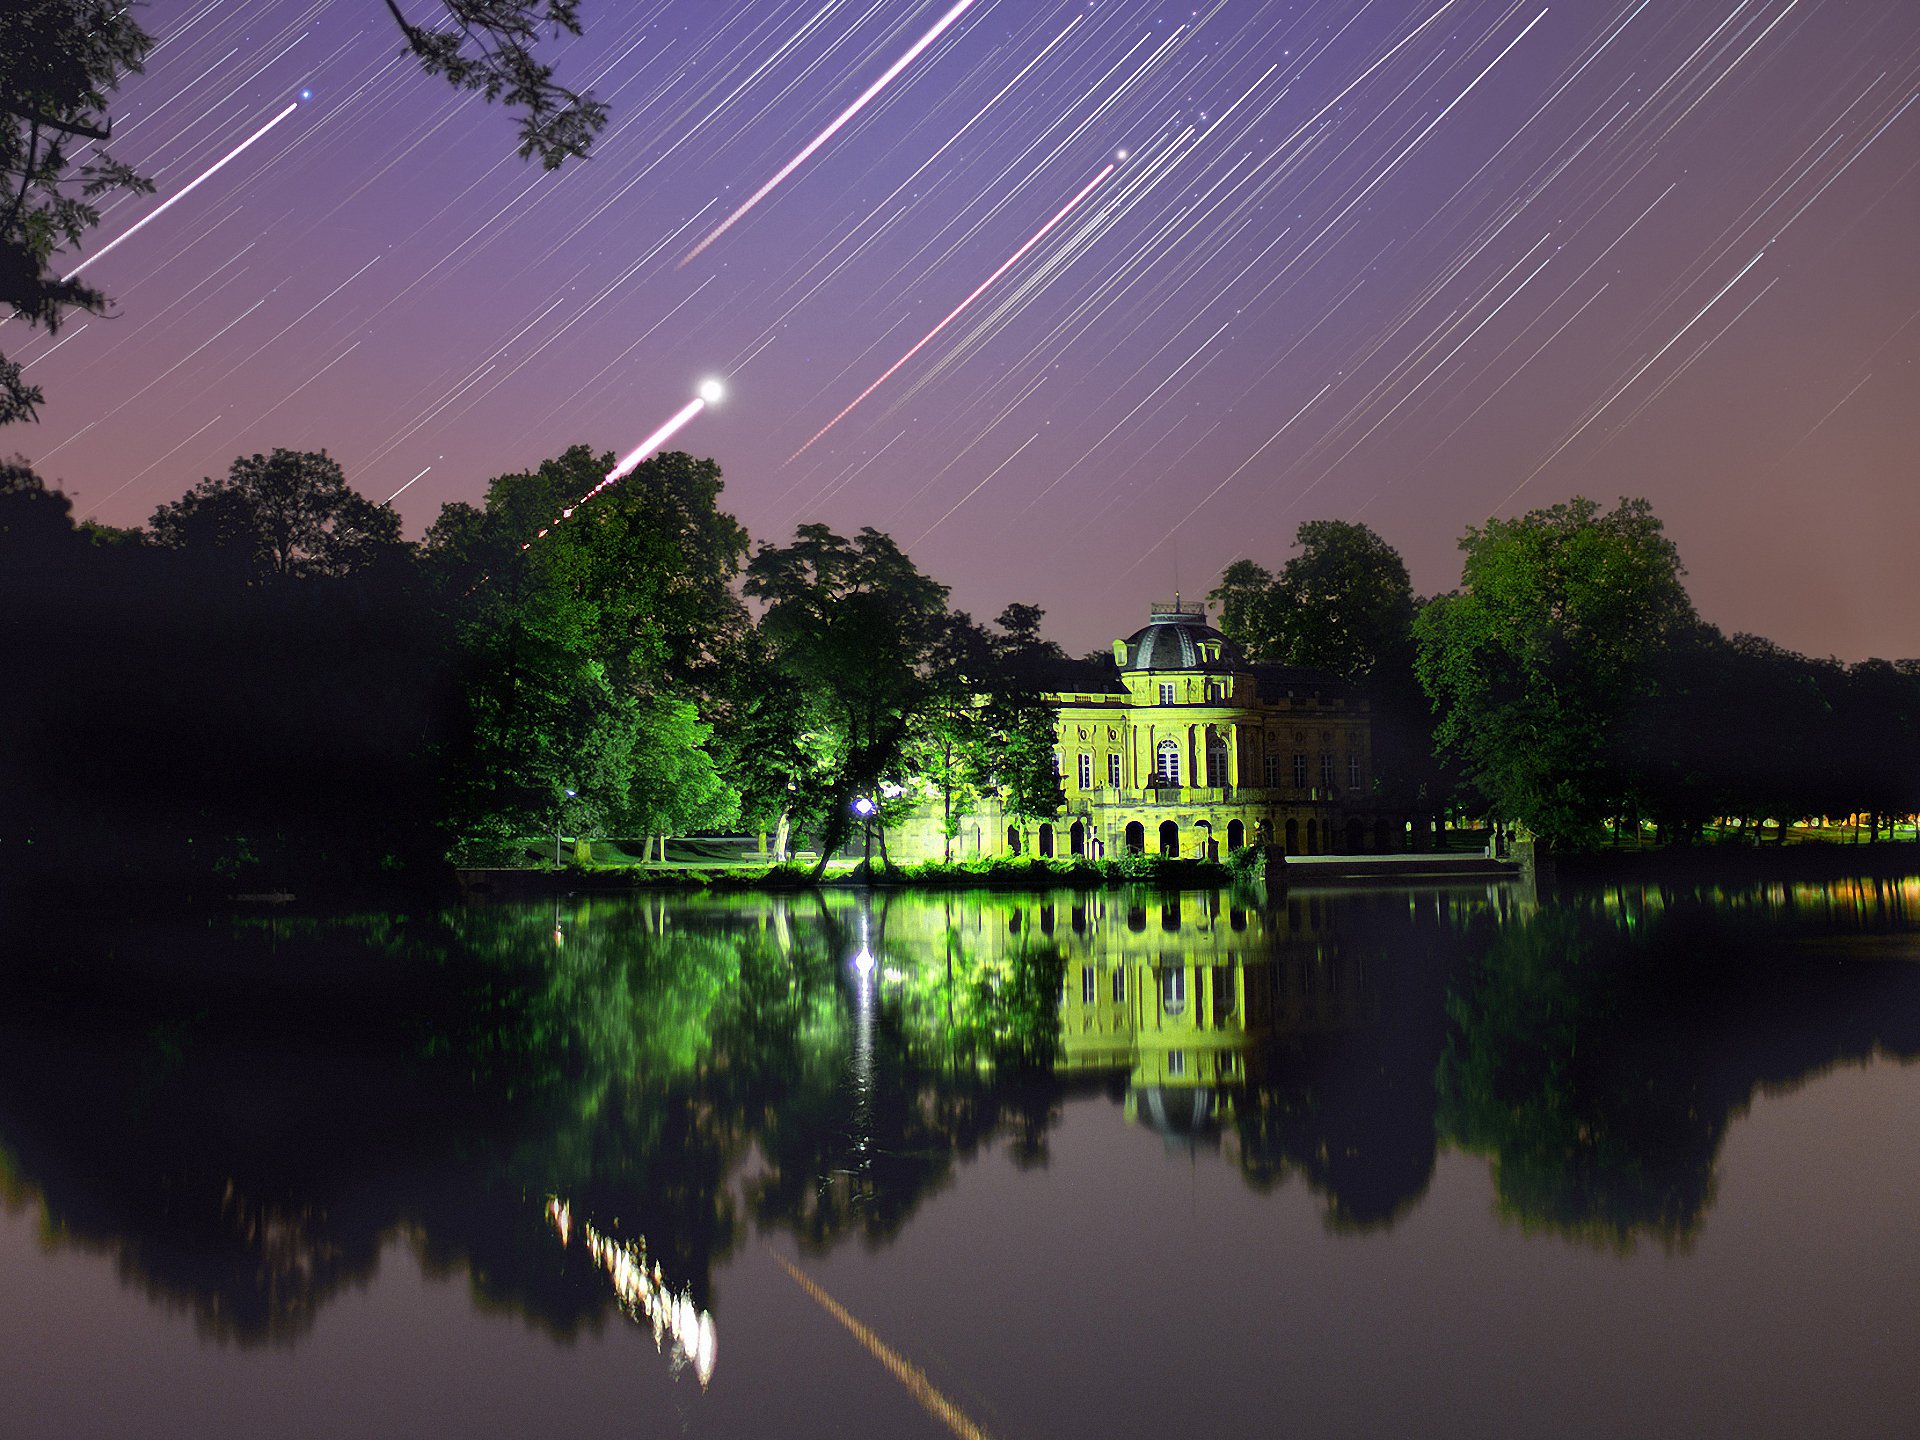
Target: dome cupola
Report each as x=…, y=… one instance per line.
x=1178, y=637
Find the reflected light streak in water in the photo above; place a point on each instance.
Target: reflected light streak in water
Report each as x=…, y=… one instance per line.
x=863, y=1045
x=643, y=1292
x=901, y=1368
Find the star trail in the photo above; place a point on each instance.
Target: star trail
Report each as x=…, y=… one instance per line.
x=1205, y=271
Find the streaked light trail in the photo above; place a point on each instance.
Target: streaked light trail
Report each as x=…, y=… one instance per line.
x=910, y=1375
x=403, y=489
x=954, y=314
x=940, y=27
x=193, y=185
x=711, y=393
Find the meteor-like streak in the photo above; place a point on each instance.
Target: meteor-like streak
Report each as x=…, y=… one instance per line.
x=193, y=185
x=940, y=27
x=403, y=489
x=711, y=392
x=954, y=314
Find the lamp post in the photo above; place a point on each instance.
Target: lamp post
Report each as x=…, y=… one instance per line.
x=864, y=808
x=559, y=816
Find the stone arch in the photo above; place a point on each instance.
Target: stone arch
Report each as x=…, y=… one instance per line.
x=1136, y=838
x=1076, y=839
x=1293, y=837
x=1169, y=837
x=1236, y=835
x=1204, y=845
x=1013, y=839
x=1046, y=842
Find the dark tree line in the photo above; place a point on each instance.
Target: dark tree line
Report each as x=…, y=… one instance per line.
x=268, y=686
x=1568, y=685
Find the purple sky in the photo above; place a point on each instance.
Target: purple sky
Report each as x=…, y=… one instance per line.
x=1668, y=249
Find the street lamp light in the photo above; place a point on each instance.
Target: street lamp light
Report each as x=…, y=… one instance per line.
x=559, y=816
x=865, y=808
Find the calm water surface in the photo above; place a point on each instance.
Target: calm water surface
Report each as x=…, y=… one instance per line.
x=1430, y=1162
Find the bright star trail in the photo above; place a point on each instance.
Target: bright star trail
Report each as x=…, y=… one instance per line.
x=839, y=121
x=954, y=314
x=1409, y=263
x=192, y=185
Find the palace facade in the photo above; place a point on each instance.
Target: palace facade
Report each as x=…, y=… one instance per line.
x=1180, y=746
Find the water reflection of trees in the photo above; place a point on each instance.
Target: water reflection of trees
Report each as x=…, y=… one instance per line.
x=244, y=1119
x=1600, y=1048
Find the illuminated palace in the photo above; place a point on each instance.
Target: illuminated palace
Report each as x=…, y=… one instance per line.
x=1180, y=746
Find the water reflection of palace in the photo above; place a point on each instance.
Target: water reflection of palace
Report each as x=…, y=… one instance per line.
x=1183, y=997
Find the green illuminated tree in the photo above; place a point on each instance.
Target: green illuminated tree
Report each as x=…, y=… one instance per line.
x=588, y=657
x=857, y=627
x=1537, y=661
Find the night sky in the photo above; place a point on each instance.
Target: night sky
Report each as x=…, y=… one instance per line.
x=1414, y=265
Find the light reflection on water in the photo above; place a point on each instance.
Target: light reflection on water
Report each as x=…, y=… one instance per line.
x=245, y=1117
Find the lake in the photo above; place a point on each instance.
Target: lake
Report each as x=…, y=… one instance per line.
x=1440, y=1161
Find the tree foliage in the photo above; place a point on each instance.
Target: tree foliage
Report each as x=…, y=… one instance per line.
x=287, y=515
x=586, y=656
x=60, y=61
x=856, y=627
x=489, y=47
x=1343, y=605
x=1550, y=645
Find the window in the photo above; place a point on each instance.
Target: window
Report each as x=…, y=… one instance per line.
x=1216, y=692
x=1173, y=990
x=1119, y=986
x=1166, y=692
x=1113, y=768
x=1353, y=771
x=1086, y=985
x=1086, y=771
x=1326, y=772
x=1166, y=764
x=1057, y=770
x=1299, y=771
x=1273, y=772
x=1216, y=760
x=1176, y=1062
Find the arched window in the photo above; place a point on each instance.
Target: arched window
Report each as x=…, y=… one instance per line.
x=1166, y=763
x=1173, y=990
x=1136, y=838
x=1169, y=838
x=1216, y=760
x=1236, y=835
x=1046, y=841
x=1013, y=839
x=1076, y=839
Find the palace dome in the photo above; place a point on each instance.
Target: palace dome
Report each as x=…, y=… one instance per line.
x=1177, y=637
